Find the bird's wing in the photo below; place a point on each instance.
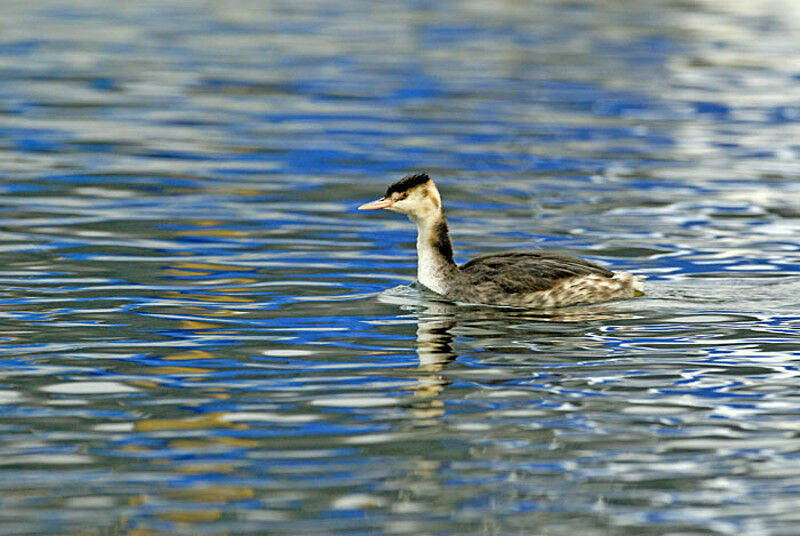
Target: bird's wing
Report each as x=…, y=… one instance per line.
x=527, y=271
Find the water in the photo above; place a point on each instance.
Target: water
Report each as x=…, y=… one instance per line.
x=201, y=335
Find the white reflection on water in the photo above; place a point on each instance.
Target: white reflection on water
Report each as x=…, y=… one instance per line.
x=199, y=335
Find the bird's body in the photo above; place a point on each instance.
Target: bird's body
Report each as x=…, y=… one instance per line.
x=533, y=279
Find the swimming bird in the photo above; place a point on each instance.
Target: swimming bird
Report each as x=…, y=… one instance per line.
x=535, y=279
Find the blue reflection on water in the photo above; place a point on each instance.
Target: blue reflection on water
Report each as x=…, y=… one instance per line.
x=201, y=334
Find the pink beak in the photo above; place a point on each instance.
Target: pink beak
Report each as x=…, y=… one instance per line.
x=383, y=202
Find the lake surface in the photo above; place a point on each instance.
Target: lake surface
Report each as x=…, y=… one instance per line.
x=200, y=334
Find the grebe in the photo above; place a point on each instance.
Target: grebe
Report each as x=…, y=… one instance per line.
x=526, y=278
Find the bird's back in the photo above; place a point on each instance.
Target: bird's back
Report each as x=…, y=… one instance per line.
x=539, y=279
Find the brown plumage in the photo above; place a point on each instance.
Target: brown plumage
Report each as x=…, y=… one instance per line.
x=526, y=278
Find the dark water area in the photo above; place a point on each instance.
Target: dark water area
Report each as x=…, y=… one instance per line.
x=200, y=334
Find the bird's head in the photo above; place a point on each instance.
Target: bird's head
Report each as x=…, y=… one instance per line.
x=415, y=196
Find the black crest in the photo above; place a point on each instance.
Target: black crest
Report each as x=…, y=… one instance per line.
x=407, y=182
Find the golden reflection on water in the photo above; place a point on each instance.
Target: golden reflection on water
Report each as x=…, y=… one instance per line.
x=196, y=505
x=201, y=422
x=192, y=504
x=191, y=355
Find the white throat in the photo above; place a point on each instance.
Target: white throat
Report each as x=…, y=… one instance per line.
x=433, y=270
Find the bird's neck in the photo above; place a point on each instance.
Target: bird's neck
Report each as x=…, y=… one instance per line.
x=435, y=265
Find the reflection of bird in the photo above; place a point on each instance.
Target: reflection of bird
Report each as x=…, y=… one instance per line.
x=528, y=279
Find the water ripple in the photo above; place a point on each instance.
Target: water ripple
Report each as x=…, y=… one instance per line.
x=199, y=333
